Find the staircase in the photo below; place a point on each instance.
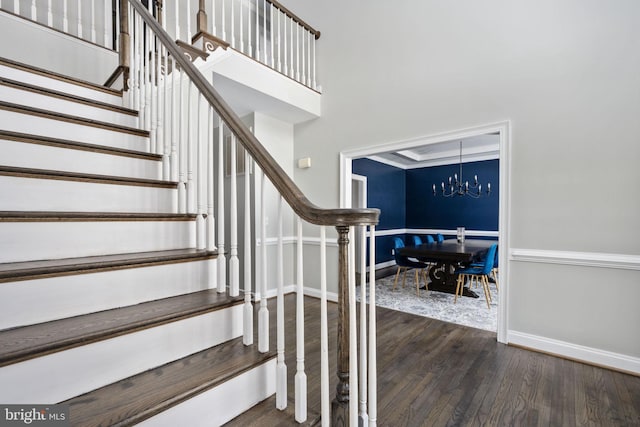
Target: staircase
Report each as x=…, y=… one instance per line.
x=104, y=304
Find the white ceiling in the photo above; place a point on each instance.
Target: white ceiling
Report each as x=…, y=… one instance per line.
x=475, y=148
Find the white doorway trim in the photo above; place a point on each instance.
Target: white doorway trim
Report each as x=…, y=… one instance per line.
x=504, y=211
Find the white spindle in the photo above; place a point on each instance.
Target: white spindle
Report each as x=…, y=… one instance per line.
x=34, y=11
x=175, y=121
x=364, y=417
x=79, y=26
x=297, y=51
x=116, y=29
x=373, y=366
x=167, y=118
x=50, y=14
x=93, y=21
x=201, y=239
x=263, y=312
x=278, y=40
x=222, y=259
x=132, y=62
x=16, y=7
x=313, y=62
x=211, y=221
x=188, y=19
x=324, y=333
x=65, y=15
x=257, y=30
x=152, y=95
x=233, y=32
x=273, y=61
x=177, y=18
x=301, y=376
x=264, y=31
x=284, y=48
x=182, y=178
x=214, y=30
x=281, y=367
x=160, y=94
x=353, y=334
x=241, y=23
x=292, y=71
x=249, y=40
x=303, y=59
x=309, y=38
x=223, y=19
x=107, y=21
x=190, y=145
x=234, y=263
x=248, y=307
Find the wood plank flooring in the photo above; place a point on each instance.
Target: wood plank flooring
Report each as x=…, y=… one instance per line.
x=433, y=373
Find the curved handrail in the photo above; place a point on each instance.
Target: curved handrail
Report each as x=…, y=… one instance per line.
x=283, y=183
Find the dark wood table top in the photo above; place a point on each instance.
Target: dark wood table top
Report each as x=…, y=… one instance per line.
x=449, y=250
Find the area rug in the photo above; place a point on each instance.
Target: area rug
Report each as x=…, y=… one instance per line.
x=437, y=305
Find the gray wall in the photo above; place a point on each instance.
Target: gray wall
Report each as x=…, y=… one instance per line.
x=566, y=74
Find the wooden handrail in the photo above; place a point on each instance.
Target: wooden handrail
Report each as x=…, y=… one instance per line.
x=293, y=16
x=283, y=183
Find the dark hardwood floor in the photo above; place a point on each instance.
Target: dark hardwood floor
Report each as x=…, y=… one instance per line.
x=432, y=373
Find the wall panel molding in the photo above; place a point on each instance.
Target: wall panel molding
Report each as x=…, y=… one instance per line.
x=585, y=259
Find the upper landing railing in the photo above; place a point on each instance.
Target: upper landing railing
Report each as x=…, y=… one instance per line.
x=264, y=30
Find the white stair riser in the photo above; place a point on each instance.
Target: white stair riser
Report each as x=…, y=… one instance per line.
x=27, y=155
x=60, y=376
x=25, y=123
x=222, y=403
x=58, y=85
x=36, y=100
x=67, y=296
x=32, y=194
x=26, y=241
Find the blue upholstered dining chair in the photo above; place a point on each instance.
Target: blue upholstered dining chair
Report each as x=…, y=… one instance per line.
x=494, y=270
x=404, y=263
x=476, y=274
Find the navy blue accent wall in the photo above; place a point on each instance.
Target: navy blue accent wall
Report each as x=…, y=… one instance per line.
x=385, y=191
x=406, y=200
x=424, y=210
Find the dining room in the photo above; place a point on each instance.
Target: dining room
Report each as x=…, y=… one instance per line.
x=432, y=193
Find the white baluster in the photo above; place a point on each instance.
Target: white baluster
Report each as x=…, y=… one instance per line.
x=263, y=312
x=364, y=417
x=292, y=67
x=177, y=17
x=301, y=376
x=132, y=61
x=303, y=73
x=34, y=11
x=16, y=7
x=214, y=30
x=188, y=18
x=116, y=30
x=175, y=121
x=249, y=40
x=233, y=33
x=201, y=239
x=224, y=19
x=324, y=333
x=273, y=61
x=182, y=178
x=285, y=70
x=281, y=367
x=234, y=263
x=160, y=94
x=314, y=83
x=167, y=119
x=279, y=41
x=105, y=34
x=248, y=307
x=152, y=95
x=211, y=221
x=93, y=21
x=79, y=26
x=222, y=259
x=241, y=22
x=264, y=32
x=309, y=38
x=353, y=334
x=297, y=52
x=50, y=14
x=373, y=379
x=190, y=153
x=257, y=30
x=65, y=16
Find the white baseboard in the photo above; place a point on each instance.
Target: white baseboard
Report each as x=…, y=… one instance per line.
x=291, y=289
x=313, y=292
x=581, y=353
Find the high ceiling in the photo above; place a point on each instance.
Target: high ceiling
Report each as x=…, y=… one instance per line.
x=475, y=148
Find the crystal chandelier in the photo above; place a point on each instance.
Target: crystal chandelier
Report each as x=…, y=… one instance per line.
x=459, y=187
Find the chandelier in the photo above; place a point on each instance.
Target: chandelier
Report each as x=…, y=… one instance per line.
x=459, y=187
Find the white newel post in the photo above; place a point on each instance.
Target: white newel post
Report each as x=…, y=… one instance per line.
x=222, y=259
x=234, y=262
x=301, y=376
x=373, y=365
x=263, y=312
x=325, y=402
x=248, y=307
x=281, y=368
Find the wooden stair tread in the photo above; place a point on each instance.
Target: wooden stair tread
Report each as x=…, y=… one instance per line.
x=141, y=396
x=39, y=112
x=83, y=177
x=62, y=95
x=76, y=145
x=28, y=342
x=41, y=71
x=44, y=216
x=26, y=270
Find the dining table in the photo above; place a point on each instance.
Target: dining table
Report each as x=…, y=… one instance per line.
x=445, y=257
